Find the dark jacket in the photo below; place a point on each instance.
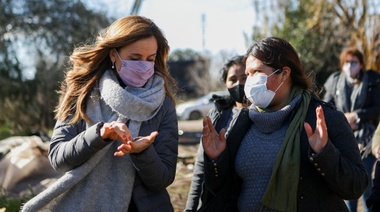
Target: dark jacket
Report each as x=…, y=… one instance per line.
x=369, y=113
x=219, y=116
x=325, y=179
x=155, y=167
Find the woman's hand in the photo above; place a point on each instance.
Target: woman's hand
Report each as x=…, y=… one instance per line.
x=136, y=146
x=115, y=130
x=352, y=118
x=317, y=139
x=213, y=143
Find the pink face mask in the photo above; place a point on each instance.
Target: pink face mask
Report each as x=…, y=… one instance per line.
x=135, y=73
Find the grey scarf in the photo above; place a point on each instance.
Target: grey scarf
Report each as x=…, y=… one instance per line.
x=268, y=122
x=351, y=97
x=104, y=182
x=110, y=102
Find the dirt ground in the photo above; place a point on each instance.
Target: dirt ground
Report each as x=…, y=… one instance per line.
x=186, y=154
x=179, y=189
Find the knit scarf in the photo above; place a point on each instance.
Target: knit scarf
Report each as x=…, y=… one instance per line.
x=281, y=191
x=110, y=102
x=346, y=101
x=104, y=182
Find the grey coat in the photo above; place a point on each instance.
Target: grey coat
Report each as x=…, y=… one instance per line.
x=155, y=167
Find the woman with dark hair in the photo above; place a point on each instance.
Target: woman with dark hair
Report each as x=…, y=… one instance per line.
x=292, y=151
x=355, y=92
x=116, y=136
x=222, y=115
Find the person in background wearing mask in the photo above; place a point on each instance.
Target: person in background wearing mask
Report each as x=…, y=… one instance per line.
x=295, y=152
x=356, y=92
x=116, y=136
x=222, y=115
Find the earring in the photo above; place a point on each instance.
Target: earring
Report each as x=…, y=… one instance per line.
x=113, y=65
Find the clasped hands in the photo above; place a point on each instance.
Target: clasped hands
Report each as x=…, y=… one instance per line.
x=118, y=130
x=214, y=143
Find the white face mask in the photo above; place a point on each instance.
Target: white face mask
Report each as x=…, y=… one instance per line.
x=257, y=92
x=351, y=69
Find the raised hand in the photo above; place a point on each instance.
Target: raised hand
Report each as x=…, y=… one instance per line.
x=213, y=143
x=318, y=138
x=136, y=146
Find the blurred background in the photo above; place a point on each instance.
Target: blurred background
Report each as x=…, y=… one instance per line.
x=36, y=38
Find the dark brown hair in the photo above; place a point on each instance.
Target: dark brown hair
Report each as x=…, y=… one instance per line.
x=278, y=53
x=237, y=60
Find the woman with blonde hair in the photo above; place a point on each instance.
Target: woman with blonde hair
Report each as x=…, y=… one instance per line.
x=116, y=136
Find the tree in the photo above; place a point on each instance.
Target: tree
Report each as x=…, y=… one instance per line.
x=319, y=30
x=37, y=37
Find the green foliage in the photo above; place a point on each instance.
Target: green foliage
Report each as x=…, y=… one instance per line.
x=5, y=131
x=319, y=30
x=310, y=41
x=37, y=38
x=12, y=204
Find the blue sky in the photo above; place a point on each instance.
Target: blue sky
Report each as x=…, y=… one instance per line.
x=225, y=23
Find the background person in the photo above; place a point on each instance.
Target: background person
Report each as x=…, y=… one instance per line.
x=116, y=91
x=355, y=92
x=226, y=109
x=296, y=152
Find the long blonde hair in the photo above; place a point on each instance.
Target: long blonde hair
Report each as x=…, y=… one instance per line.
x=89, y=62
